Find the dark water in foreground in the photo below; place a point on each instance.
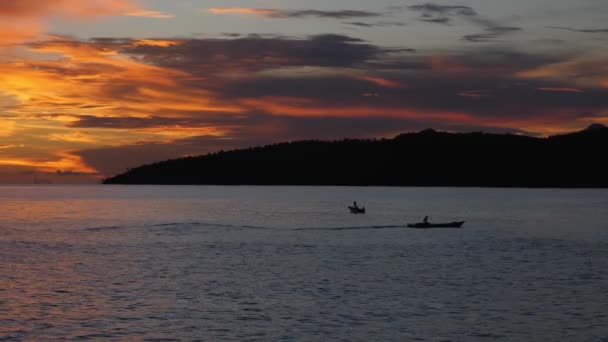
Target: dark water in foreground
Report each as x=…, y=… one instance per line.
x=290, y=264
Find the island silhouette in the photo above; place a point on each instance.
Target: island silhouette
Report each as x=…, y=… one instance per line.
x=427, y=158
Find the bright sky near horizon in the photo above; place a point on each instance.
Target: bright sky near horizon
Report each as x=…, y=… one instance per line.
x=89, y=88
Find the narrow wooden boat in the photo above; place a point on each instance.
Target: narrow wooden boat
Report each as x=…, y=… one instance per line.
x=357, y=210
x=436, y=225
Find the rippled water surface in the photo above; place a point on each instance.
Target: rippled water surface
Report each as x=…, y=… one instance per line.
x=291, y=264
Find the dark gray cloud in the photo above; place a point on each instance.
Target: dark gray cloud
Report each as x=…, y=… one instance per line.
x=424, y=82
x=481, y=82
x=438, y=20
x=443, y=14
x=275, y=13
x=359, y=23
x=374, y=24
x=482, y=93
x=596, y=30
x=232, y=35
x=342, y=14
x=258, y=53
x=491, y=33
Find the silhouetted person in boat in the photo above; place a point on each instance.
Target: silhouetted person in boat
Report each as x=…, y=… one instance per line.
x=426, y=220
x=355, y=209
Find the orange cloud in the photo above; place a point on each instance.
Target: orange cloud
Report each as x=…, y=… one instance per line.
x=62, y=161
x=561, y=90
x=7, y=127
x=6, y=147
x=99, y=77
x=581, y=71
x=25, y=19
x=17, y=30
x=42, y=8
x=379, y=81
x=243, y=10
x=72, y=137
x=552, y=122
x=150, y=14
x=62, y=79
x=310, y=108
x=156, y=42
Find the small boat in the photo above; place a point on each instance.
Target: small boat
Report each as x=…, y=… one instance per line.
x=436, y=225
x=357, y=210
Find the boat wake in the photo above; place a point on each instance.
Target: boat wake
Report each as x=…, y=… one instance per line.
x=353, y=228
x=174, y=226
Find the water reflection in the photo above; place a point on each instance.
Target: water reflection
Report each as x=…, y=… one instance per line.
x=137, y=264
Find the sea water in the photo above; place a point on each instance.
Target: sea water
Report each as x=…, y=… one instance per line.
x=206, y=263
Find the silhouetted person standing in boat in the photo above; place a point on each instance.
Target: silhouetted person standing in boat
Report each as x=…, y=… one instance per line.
x=426, y=220
x=355, y=205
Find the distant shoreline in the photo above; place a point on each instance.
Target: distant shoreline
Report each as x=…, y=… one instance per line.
x=58, y=185
x=337, y=186
x=425, y=159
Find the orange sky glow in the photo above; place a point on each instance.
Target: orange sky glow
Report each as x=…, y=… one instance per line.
x=67, y=103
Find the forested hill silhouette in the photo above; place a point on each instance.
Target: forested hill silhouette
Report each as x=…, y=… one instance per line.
x=428, y=158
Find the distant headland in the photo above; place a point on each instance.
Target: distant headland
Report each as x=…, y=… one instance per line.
x=427, y=158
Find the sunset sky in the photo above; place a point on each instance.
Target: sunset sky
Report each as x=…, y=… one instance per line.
x=90, y=88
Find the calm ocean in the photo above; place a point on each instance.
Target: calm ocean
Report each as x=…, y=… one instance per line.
x=291, y=264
